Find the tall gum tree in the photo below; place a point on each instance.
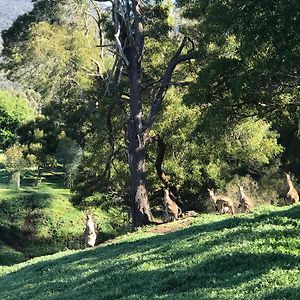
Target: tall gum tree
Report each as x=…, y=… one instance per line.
x=128, y=22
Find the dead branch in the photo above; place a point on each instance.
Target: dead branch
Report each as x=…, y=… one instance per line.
x=165, y=83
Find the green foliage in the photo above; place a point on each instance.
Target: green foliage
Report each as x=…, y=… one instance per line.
x=252, y=142
x=68, y=153
x=14, y=110
x=60, y=55
x=15, y=106
x=50, y=50
x=215, y=257
x=247, y=147
x=14, y=159
x=248, y=64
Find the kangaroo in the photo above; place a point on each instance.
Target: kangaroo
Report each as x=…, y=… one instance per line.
x=246, y=203
x=292, y=195
x=89, y=235
x=223, y=204
x=172, y=210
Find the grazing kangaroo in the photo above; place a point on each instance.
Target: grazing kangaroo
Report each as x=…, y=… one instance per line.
x=246, y=203
x=222, y=203
x=292, y=195
x=172, y=210
x=89, y=235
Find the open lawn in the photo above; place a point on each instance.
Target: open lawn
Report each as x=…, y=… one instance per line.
x=255, y=256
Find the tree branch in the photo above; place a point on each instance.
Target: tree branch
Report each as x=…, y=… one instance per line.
x=165, y=83
x=110, y=139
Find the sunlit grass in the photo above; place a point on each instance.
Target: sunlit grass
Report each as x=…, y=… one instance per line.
x=255, y=256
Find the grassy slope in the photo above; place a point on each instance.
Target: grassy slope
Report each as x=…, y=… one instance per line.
x=40, y=221
x=216, y=257
x=30, y=218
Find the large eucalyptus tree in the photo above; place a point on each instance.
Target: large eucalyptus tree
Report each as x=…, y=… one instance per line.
x=128, y=19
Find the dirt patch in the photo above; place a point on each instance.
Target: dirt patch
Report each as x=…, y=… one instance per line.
x=170, y=227
x=162, y=228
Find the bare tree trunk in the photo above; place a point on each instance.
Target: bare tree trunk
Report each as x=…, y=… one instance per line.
x=15, y=180
x=161, y=149
x=141, y=213
x=38, y=178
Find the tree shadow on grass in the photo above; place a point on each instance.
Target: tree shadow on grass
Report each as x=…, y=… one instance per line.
x=282, y=294
x=148, y=269
x=20, y=215
x=73, y=277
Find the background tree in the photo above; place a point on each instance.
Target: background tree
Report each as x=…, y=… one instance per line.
x=15, y=163
x=68, y=153
x=251, y=68
x=55, y=40
x=14, y=111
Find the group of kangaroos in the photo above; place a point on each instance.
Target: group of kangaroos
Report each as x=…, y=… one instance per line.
x=223, y=204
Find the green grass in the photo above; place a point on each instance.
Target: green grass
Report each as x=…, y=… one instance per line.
x=40, y=221
x=9, y=256
x=254, y=256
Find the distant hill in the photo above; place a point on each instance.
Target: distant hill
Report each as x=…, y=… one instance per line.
x=10, y=10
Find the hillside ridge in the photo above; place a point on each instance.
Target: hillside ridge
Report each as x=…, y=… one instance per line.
x=10, y=10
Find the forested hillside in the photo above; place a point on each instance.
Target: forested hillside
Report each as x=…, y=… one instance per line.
x=10, y=10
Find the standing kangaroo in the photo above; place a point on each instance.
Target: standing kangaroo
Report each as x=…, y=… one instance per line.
x=89, y=235
x=292, y=196
x=246, y=203
x=222, y=203
x=172, y=210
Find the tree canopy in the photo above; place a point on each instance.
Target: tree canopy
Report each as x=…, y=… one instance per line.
x=14, y=111
x=216, y=82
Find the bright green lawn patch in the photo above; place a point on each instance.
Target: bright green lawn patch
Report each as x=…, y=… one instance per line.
x=217, y=257
x=41, y=220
